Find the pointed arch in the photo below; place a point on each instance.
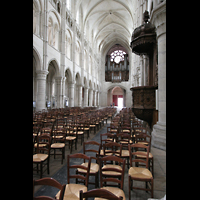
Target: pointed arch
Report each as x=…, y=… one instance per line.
x=54, y=62
x=38, y=60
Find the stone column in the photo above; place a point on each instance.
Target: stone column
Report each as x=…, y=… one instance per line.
x=85, y=97
x=90, y=97
x=80, y=95
x=59, y=91
x=71, y=98
x=41, y=90
x=159, y=129
x=95, y=97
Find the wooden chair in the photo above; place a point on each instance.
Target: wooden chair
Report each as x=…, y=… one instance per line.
x=117, y=176
x=145, y=139
x=93, y=124
x=126, y=128
x=72, y=189
x=36, y=130
x=79, y=132
x=86, y=128
x=112, y=148
x=43, y=145
x=93, y=150
x=139, y=173
x=50, y=182
x=105, y=138
x=138, y=131
x=124, y=139
x=71, y=137
x=59, y=142
x=102, y=193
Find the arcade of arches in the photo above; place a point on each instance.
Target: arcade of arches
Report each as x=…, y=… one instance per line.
x=73, y=40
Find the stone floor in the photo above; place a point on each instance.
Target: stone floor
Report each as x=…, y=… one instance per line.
x=59, y=172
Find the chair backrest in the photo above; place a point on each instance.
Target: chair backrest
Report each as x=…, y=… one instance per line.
x=102, y=193
x=73, y=174
x=59, y=134
x=109, y=138
x=144, y=139
x=112, y=147
x=112, y=169
x=113, y=129
x=50, y=182
x=46, y=131
x=43, y=143
x=124, y=139
x=36, y=130
x=92, y=146
x=133, y=153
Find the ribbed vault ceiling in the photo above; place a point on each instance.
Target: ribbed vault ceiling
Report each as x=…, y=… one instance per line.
x=110, y=20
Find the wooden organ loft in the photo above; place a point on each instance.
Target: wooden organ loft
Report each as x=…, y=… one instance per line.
x=116, y=72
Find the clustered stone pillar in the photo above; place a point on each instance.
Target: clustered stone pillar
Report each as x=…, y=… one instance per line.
x=159, y=129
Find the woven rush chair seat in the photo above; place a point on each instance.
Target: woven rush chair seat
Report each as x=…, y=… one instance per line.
x=57, y=145
x=124, y=153
x=139, y=172
x=94, y=167
x=39, y=157
x=126, y=131
x=40, y=145
x=143, y=156
x=102, y=153
x=70, y=138
x=57, y=136
x=72, y=191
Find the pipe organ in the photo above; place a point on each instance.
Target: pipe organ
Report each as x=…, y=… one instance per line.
x=116, y=72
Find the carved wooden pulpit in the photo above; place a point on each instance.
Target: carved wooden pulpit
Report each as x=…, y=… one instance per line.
x=143, y=42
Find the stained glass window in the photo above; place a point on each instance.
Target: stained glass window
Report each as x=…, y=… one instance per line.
x=117, y=56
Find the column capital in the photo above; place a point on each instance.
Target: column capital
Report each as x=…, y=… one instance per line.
x=58, y=78
x=41, y=74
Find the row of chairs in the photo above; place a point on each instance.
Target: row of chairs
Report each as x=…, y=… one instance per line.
x=108, y=172
x=70, y=112
x=134, y=132
x=79, y=191
x=107, y=149
x=63, y=132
